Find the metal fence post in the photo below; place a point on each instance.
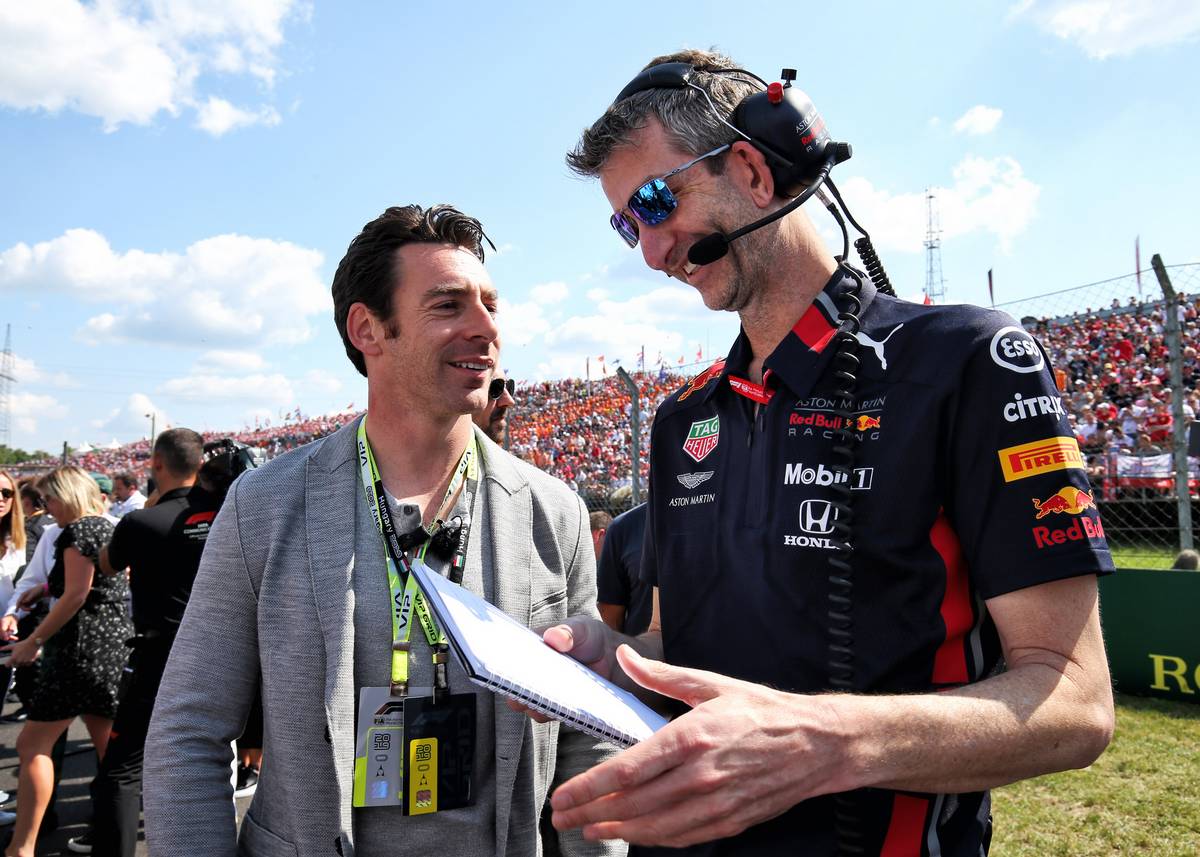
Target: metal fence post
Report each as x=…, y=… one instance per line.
x=635, y=426
x=1183, y=494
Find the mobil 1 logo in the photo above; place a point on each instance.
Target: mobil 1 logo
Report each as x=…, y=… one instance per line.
x=798, y=473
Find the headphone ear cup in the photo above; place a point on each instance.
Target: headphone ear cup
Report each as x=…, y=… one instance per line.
x=789, y=132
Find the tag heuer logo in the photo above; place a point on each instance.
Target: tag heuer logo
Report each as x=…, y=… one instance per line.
x=702, y=438
x=691, y=480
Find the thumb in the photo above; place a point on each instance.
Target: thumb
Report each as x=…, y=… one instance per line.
x=687, y=685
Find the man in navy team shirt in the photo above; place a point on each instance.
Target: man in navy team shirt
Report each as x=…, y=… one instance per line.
x=973, y=655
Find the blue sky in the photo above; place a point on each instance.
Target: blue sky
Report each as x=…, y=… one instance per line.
x=181, y=178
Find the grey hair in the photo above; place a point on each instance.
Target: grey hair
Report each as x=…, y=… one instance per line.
x=687, y=114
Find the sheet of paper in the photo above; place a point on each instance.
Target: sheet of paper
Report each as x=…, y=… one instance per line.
x=507, y=650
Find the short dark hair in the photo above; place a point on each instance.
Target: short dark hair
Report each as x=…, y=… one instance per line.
x=182, y=451
x=126, y=478
x=685, y=113
x=370, y=270
x=29, y=489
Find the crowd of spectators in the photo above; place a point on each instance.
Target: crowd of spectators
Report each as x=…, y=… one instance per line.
x=1111, y=365
x=580, y=430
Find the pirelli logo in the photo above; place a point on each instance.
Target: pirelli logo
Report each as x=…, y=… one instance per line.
x=1041, y=456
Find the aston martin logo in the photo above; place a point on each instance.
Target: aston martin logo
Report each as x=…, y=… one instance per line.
x=691, y=480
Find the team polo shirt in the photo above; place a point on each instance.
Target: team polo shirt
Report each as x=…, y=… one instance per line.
x=967, y=484
x=162, y=546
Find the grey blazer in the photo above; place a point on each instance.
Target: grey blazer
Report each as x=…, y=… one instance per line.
x=273, y=597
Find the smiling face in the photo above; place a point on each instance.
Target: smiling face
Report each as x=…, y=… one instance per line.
x=707, y=203
x=439, y=348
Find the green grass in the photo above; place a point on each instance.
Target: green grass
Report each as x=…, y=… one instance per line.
x=1143, y=556
x=1141, y=797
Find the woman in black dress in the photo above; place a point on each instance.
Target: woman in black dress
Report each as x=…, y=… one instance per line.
x=81, y=644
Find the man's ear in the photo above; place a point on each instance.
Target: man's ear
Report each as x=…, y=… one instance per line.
x=748, y=167
x=364, y=330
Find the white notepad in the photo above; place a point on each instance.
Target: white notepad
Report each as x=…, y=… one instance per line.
x=506, y=657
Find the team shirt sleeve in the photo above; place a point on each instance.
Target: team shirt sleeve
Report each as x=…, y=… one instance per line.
x=1019, y=495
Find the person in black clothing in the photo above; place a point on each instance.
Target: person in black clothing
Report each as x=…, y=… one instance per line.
x=624, y=599
x=161, y=546
x=882, y=590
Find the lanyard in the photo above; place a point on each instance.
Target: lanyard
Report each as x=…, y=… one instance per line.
x=755, y=392
x=405, y=594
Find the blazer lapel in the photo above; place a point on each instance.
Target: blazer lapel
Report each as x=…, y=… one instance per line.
x=331, y=483
x=509, y=507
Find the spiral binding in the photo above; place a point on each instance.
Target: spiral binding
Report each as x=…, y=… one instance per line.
x=549, y=707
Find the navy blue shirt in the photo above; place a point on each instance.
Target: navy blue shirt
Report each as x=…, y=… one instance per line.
x=967, y=484
x=618, y=575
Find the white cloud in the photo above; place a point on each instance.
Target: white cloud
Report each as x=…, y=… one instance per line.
x=320, y=381
x=28, y=408
x=132, y=419
x=1108, y=28
x=217, y=116
x=125, y=61
x=266, y=390
x=520, y=323
x=549, y=293
x=653, y=319
x=27, y=372
x=597, y=295
x=227, y=290
x=980, y=119
x=234, y=361
x=989, y=195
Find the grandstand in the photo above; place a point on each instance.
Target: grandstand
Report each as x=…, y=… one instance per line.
x=1110, y=363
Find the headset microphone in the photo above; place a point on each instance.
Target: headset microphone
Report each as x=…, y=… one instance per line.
x=712, y=247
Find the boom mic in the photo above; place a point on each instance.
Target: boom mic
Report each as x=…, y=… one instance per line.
x=714, y=246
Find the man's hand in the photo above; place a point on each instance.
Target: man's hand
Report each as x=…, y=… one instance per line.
x=8, y=627
x=30, y=597
x=743, y=755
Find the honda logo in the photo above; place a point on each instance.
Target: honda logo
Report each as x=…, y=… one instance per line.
x=817, y=516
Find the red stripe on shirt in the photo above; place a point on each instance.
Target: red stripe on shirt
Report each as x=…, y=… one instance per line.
x=950, y=662
x=906, y=830
x=814, y=329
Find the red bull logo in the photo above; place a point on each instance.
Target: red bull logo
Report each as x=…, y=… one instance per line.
x=1068, y=501
x=865, y=422
x=713, y=371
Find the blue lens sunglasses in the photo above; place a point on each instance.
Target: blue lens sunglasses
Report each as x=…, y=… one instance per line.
x=653, y=202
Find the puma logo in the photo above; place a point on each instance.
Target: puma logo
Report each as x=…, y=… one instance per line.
x=876, y=345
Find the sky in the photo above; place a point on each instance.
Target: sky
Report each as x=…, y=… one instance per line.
x=179, y=178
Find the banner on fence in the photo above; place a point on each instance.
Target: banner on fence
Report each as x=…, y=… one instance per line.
x=1149, y=620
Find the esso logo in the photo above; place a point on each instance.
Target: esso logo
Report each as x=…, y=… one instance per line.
x=1015, y=349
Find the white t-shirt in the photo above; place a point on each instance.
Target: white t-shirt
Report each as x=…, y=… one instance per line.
x=10, y=564
x=37, y=571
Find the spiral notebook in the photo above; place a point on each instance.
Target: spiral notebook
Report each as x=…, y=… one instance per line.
x=506, y=657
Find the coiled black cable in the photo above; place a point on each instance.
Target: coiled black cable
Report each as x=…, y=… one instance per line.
x=848, y=824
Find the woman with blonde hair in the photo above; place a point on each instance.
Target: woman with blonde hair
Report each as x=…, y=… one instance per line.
x=81, y=644
x=12, y=535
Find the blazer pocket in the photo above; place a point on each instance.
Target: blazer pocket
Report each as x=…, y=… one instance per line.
x=256, y=841
x=548, y=609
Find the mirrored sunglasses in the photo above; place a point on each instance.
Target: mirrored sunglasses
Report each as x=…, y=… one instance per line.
x=653, y=202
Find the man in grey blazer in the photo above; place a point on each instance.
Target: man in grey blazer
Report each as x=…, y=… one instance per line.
x=294, y=586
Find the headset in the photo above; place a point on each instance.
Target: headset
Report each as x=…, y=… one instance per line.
x=783, y=124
